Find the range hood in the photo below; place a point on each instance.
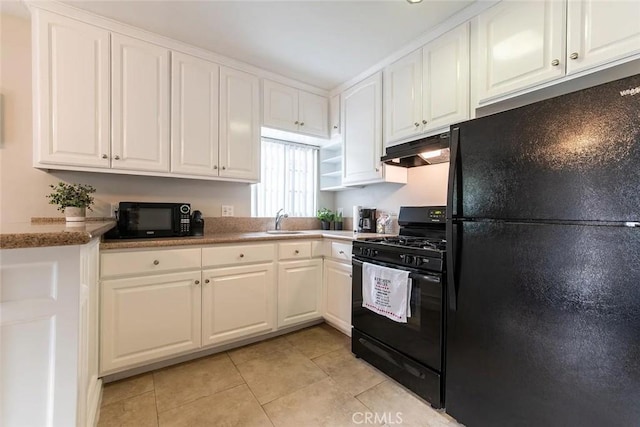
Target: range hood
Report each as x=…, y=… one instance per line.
x=421, y=152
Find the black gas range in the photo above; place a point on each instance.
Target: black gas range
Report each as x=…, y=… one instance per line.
x=412, y=352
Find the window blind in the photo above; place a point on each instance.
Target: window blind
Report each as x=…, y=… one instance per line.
x=288, y=179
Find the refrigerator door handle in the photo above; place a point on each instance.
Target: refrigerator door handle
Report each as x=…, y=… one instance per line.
x=453, y=195
x=452, y=253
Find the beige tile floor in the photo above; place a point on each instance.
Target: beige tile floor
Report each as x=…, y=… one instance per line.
x=306, y=378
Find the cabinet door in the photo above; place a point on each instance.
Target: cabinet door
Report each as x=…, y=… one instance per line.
x=313, y=114
x=194, y=115
x=299, y=291
x=403, y=98
x=237, y=302
x=280, y=106
x=140, y=93
x=445, y=94
x=334, y=115
x=601, y=31
x=239, y=125
x=71, y=71
x=518, y=43
x=362, y=120
x=147, y=318
x=336, y=298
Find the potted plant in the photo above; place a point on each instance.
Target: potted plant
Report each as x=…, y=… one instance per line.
x=325, y=216
x=72, y=199
x=338, y=221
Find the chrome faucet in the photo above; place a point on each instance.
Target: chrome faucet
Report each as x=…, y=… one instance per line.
x=280, y=217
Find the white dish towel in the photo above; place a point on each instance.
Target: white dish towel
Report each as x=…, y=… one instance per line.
x=386, y=291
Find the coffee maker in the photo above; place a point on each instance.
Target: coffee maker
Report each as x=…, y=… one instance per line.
x=367, y=220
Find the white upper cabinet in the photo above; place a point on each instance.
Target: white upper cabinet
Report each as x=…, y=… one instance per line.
x=403, y=97
x=520, y=44
x=140, y=95
x=71, y=86
x=362, y=118
x=523, y=44
x=445, y=84
x=429, y=88
x=239, y=125
x=601, y=31
x=194, y=115
x=334, y=115
x=294, y=110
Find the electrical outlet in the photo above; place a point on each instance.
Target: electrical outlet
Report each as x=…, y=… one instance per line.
x=114, y=208
x=227, y=210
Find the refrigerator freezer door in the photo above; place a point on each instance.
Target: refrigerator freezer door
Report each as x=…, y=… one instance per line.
x=546, y=331
x=573, y=158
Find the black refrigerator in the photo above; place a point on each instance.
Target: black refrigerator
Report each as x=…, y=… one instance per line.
x=543, y=247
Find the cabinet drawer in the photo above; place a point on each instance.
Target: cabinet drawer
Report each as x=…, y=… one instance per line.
x=148, y=262
x=294, y=250
x=341, y=251
x=237, y=254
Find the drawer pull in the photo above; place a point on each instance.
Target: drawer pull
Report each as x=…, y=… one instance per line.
x=297, y=252
x=241, y=255
x=341, y=252
x=197, y=282
x=206, y=281
x=156, y=262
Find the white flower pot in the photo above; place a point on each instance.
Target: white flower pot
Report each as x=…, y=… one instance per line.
x=73, y=214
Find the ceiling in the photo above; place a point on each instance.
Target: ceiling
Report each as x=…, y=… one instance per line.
x=322, y=43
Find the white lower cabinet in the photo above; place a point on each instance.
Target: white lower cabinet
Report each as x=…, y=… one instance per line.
x=48, y=330
x=237, y=302
x=150, y=317
x=336, y=297
x=299, y=291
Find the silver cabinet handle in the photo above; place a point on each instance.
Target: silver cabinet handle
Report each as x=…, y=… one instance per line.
x=296, y=122
x=104, y=156
x=156, y=262
x=224, y=168
x=574, y=55
x=417, y=124
x=117, y=157
x=301, y=123
x=377, y=169
x=241, y=255
x=424, y=122
x=206, y=281
x=555, y=62
x=197, y=282
x=215, y=166
x=335, y=126
x=341, y=252
x=351, y=275
x=297, y=252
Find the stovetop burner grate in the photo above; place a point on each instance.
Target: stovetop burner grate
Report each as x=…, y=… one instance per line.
x=412, y=242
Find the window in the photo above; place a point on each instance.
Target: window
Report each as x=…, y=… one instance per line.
x=288, y=179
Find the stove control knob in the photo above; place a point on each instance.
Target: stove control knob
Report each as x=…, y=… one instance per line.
x=374, y=252
x=422, y=261
x=408, y=259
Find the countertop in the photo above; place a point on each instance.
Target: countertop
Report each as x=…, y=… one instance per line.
x=255, y=236
x=35, y=235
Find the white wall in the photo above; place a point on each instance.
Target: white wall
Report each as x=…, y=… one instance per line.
x=23, y=188
x=426, y=186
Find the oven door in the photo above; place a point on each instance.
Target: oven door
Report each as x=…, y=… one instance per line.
x=421, y=337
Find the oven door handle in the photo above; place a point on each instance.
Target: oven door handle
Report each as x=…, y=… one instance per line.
x=413, y=274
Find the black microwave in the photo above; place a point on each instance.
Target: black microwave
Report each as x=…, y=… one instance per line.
x=142, y=219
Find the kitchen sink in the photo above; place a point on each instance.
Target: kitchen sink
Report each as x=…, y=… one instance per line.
x=283, y=232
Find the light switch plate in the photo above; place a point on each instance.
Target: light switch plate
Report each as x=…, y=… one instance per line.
x=227, y=210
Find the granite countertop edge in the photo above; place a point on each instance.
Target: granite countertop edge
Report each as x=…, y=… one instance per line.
x=254, y=236
x=54, y=234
